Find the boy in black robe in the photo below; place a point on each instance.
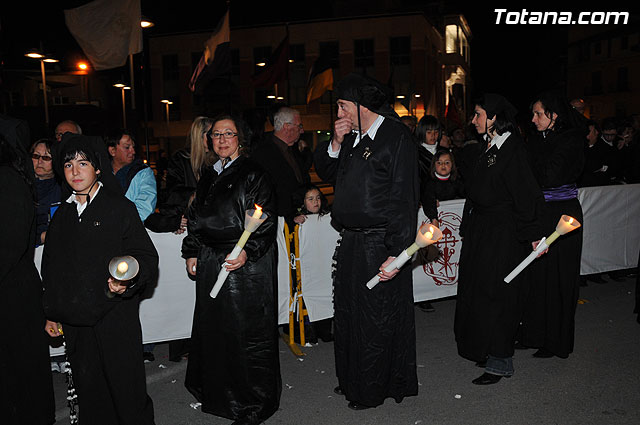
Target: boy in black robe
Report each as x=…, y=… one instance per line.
x=99, y=315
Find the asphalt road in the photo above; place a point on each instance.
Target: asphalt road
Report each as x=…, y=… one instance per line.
x=598, y=384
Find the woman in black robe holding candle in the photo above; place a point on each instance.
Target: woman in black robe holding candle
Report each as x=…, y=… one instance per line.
x=499, y=224
x=557, y=156
x=233, y=369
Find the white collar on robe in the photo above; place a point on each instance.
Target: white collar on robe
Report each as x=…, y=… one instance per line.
x=499, y=139
x=371, y=131
x=81, y=207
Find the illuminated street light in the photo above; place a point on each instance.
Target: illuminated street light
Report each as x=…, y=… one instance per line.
x=145, y=23
x=122, y=88
x=35, y=54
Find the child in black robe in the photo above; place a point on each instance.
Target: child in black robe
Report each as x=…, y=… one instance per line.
x=98, y=314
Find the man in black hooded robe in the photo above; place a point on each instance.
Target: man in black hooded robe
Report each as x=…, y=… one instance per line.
x=372, y=163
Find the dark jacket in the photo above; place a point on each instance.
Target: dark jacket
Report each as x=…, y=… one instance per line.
x=180, y=185
x=282, y=176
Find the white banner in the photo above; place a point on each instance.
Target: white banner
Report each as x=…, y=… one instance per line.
x=611, y=242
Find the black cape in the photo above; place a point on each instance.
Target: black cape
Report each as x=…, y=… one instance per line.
x=26, y=388
x=376, y=203
x=551, y=305
x=500, y=221
x=234, y=366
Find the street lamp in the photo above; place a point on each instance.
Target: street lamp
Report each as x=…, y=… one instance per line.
x=35, y=54
x=123, y=87
x=167, y=102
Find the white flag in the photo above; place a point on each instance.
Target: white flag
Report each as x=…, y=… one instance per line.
x=107, y=30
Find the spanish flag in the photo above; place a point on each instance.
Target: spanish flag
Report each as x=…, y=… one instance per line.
x=320, y=79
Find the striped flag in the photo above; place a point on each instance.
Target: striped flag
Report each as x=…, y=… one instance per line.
x=277, y=69
x=216, y=59
x=320, y=79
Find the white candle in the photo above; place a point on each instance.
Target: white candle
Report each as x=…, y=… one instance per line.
x=252, y=222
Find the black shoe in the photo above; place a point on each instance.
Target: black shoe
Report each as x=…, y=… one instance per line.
x=148, y=357
x=487, y=379
x=520, y=346
x=356, y=406
x=338, y=390
x=426, y=307
x=543, y=353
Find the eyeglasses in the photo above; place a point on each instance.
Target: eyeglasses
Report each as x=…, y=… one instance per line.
x=227, y=135
x=45, y=158
x=295, y=125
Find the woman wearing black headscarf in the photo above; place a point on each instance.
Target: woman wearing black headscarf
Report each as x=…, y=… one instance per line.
x=557, y=156
x=498, y=225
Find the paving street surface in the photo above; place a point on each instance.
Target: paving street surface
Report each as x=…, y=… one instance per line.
x=598, y=384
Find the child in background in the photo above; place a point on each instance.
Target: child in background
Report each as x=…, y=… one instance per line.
x=314, y=202
x=443, y=185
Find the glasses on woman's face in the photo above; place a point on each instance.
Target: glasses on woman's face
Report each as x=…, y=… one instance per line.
x=226, y=134
x=37, y=157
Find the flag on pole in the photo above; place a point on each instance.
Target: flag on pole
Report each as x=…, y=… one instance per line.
x=320, y=79
x=216, y=59
x=108, y=31
x=277, y=68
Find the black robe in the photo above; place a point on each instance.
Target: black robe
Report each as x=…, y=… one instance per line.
x=500, y=221
x=103, y=335
x=234, y=366
x=26, y=388
x=548, y=322
x=436, y=190
x=376, y=204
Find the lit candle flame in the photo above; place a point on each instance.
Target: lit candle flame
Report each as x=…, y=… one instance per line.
x=123, y=267
x=570, y=220
x=428, y=235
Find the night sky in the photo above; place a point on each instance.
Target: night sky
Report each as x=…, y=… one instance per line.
x=515, y=60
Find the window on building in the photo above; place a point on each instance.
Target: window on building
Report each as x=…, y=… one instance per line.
x=400, y=50
x=451, y=39
x=296, y=54
x=363, y=53
x=596, y=82
x=623, y=79
x=331, y=51
x=170, y=71
x=624, y=42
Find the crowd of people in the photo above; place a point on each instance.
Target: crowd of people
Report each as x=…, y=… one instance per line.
x=88, y=199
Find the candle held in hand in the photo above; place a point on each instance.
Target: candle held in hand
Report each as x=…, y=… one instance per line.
x=123, y=267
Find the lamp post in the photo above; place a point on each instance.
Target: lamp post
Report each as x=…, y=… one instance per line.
x=34, y=54
x=167, y=102
x=123, y=87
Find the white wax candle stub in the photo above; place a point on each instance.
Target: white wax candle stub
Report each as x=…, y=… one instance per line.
x=123, y=267
x=428, y=235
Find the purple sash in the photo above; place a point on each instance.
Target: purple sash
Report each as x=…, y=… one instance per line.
x=561, y=193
